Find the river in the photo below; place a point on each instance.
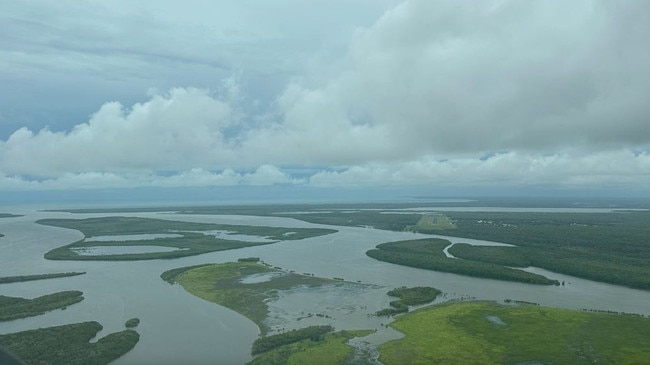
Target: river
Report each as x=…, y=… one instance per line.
x=177, y=327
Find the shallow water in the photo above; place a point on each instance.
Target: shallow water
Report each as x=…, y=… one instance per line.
x=178, y=327
x=260, y=278
x=132, y=237
x=120, y=250
x=227, y=235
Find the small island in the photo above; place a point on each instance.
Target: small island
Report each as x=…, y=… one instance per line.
x=132, y=323
x=21, y=278
x=418, y=295
x=69, y=344
x=115, y=238
x=14, y=308
x=226, y=285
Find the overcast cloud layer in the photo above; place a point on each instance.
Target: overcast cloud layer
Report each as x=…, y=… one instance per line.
x=360, y=93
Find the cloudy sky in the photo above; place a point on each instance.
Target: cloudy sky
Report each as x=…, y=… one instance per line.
x=424, y=95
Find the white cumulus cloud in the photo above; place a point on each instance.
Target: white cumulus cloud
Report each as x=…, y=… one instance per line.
x=537, y=93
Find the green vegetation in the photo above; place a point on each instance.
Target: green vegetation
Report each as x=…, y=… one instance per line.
x=249, y=259
x=499, y=255
x=14, y=308
x=132, y=323
x=487, y=333
x=433, y=223
x=609, y=247
x=69, y=345
x=16, y=279
x=195, y=238
x=221, y=284
x=428, y=254
x=170, y=276
x=8, y=215
x=409, y=296
x=415, y=296
x=314, y=333
x=330, y=348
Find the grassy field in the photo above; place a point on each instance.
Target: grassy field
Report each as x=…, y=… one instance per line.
x=14, y=308
x=69, y=345
x=488, y=333
x=192, y=240
x=433, y=223
x=221, y=284
x=331, y=349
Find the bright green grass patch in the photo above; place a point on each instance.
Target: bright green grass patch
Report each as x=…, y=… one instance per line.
x=69, y=345
x=487, y=333
x=432, y=223
x=221, y=284
x=192, y=240
x=14, y=308
x=332, y=348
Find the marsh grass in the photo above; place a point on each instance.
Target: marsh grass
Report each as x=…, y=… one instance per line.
x=332, y=348
x=221, y=284
x=467, y=333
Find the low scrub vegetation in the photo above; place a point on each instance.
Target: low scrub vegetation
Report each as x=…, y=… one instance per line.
x=132, y=323
x=428, y=254
x=69, y=345
x=15, y=308
x=418, y=295
x=331, y=348
x=313, y=333
x=21, y=278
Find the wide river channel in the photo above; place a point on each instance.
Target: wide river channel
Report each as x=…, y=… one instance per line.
x=177, y=327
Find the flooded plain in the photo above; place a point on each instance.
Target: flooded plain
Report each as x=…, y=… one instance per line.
x=177, y=327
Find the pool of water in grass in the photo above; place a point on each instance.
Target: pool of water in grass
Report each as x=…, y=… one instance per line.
x=261, y=278
x=228, y=235
x=121, y=250
x=131, y=237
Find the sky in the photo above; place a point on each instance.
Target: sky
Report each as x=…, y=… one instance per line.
x=416, y=97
